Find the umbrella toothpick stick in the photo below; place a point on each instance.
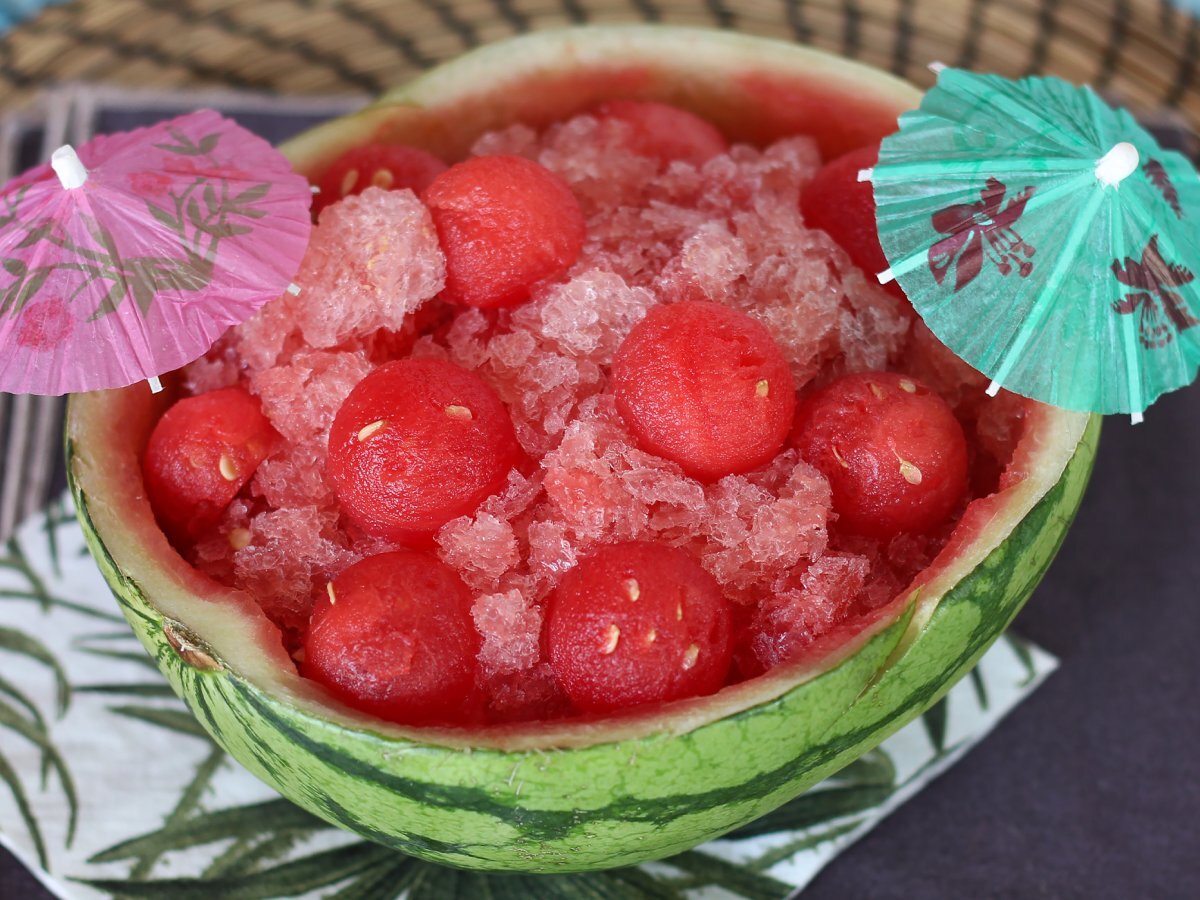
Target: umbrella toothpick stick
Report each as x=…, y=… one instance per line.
x=68, y=168
x=1117, y=164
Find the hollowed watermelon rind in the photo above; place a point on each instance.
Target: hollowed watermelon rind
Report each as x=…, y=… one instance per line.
x=620, y=803
x=573, y=797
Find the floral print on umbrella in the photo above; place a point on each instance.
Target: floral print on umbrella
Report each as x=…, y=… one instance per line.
x=1155, y=171
x=155, y=244
x=979, y=231
x=1161, y=312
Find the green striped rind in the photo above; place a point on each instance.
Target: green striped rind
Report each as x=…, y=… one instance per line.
x=619, y=803
x=596, y=807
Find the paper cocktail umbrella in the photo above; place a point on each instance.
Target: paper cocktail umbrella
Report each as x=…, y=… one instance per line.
x=130, y=258
x=1045, y=238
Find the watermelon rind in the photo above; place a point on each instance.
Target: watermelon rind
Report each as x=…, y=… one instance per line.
x=570, y=796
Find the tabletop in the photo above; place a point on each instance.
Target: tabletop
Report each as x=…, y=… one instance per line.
x=1090, y=788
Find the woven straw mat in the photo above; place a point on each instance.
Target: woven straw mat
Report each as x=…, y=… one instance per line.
x=1142, y=53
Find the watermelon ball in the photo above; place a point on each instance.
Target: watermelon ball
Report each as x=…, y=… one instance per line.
x=665, y=132
x=504, y=224
x=418, y=442
x=894, y=454
x=393, y=636
x=391, y=167
x=638, y=623
x=836, y=202
x=200, y=454
x=706, y=386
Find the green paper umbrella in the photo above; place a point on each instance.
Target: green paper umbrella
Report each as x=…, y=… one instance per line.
x=1046, y=238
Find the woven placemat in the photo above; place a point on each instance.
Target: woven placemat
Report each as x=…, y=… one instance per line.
x=1145, y=53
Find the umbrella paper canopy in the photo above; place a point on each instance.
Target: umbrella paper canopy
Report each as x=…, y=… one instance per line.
x=130, y=259
x=1046, y=239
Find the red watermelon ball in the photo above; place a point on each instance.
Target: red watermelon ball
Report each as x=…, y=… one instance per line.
x=392, y=635
x=665, y=132
x=638, y=623
x=418, y=442
x=200, y=454
x=391, y=167
x=894, y=454
x=836, y=202
x=706, y=386
x=504, y=224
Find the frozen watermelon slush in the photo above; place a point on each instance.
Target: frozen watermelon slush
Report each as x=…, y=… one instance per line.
x=581, y=350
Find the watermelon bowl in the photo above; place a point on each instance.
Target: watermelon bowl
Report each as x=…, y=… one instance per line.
x=578, y=795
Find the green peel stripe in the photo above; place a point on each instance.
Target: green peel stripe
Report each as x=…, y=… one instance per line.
x=547, y=825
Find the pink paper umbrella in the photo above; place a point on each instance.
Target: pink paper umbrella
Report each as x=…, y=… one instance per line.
x=130, y=258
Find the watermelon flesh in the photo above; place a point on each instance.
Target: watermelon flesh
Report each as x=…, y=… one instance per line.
x=504, y=224
x=558, y=796
x=705, y=386
x=418, y=442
